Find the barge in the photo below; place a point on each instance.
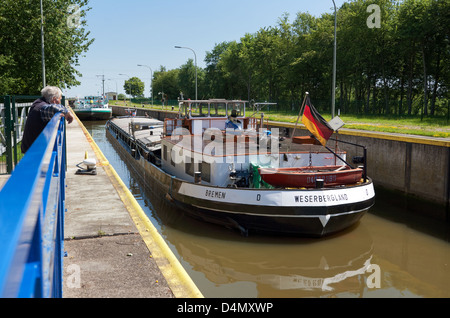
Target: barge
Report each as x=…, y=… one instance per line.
x=207, y=161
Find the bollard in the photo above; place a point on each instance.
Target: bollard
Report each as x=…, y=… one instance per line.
x=197, y=177
x=319, y=183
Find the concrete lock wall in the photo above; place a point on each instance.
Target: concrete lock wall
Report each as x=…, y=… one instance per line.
x=413, y=168
x=416, y=167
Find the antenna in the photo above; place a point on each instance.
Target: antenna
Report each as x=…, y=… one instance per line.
x=103, y=84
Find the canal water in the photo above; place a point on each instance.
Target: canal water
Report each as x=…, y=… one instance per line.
x=391, y=252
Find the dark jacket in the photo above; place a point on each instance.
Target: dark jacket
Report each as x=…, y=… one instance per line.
x=34, y=125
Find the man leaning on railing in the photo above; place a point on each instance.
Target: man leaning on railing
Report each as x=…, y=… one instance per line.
x=41, y=112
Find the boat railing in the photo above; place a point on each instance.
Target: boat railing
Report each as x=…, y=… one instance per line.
x=253, y=123
x=170, y=124
x=32, y=204
x=357, y=159
x=215, y=108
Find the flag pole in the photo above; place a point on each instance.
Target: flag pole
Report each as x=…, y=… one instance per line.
x=296, y=123
x=299, y=114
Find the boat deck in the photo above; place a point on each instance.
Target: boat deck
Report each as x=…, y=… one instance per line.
x=229, y=192
x=147, y=131
x=139, y=127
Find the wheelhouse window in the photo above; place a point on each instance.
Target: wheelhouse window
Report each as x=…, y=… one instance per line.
x=165, y=153
x=205, y=169
x=189, y=167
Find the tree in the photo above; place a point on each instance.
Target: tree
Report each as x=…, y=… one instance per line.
x=216, y=84
x=405, y=59
x=302, y=67
x=367, y=61
x=186, y=80
x=134, y=87
x=165, y=83
x=237, y=68
x=66, y=39
x=7, y=78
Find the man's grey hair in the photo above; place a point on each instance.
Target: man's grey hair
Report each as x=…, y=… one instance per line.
x=49, y=92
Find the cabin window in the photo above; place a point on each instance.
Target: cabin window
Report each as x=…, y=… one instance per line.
x=205, y=168
x=171, y=160
x=165, y=153
x=189, y=166
x=218, y=110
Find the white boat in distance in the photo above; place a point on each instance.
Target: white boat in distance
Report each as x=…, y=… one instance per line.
x=206, y=163
x=92, y=108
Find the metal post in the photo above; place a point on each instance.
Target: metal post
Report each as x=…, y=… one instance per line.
x=195, y=55
x=333, y=94
x=365, y=164
x=103, y=84
x=9, y=126
x=42, y=46
x=14, y=131
x=151, y=80
x=63, y=101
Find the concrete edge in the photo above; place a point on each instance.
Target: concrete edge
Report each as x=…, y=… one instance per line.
x=179, y=281
x=417, y=139
x=380, y=135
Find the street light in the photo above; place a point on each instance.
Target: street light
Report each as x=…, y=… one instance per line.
x=333, y=97
x=195, y=55
x=103, y=84
x=151, y=80
x=42, y=46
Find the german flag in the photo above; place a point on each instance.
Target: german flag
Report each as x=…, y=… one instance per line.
x=315, y=123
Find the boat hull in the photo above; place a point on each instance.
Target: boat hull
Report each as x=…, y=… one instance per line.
x=94, y=114
x=293, y=212
x=307, y=212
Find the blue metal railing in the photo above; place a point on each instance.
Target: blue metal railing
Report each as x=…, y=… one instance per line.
x=32, y=205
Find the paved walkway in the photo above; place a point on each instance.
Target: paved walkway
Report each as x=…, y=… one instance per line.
x=3, y=179
x=112, y=248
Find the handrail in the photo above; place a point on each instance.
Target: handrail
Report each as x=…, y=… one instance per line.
x=32, y=204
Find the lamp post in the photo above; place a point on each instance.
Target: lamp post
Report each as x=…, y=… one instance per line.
x=333, y=93
x=195, y=55
x=42, y=46
x=103, y=84
x=151, y=80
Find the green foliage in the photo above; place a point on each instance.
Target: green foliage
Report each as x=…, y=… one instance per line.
x=402, y=67
x=65, y=37
x=7, y=79
x=134, y=87
x=165, y=84
x=186, y=80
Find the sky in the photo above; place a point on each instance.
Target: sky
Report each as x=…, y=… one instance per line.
x=132, y=32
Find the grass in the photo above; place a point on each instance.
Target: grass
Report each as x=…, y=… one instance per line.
x=411, y=125
x=138, y=105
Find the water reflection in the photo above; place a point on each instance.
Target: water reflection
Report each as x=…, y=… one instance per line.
x=381, y=256
x=279, y=269
x=276, y=266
